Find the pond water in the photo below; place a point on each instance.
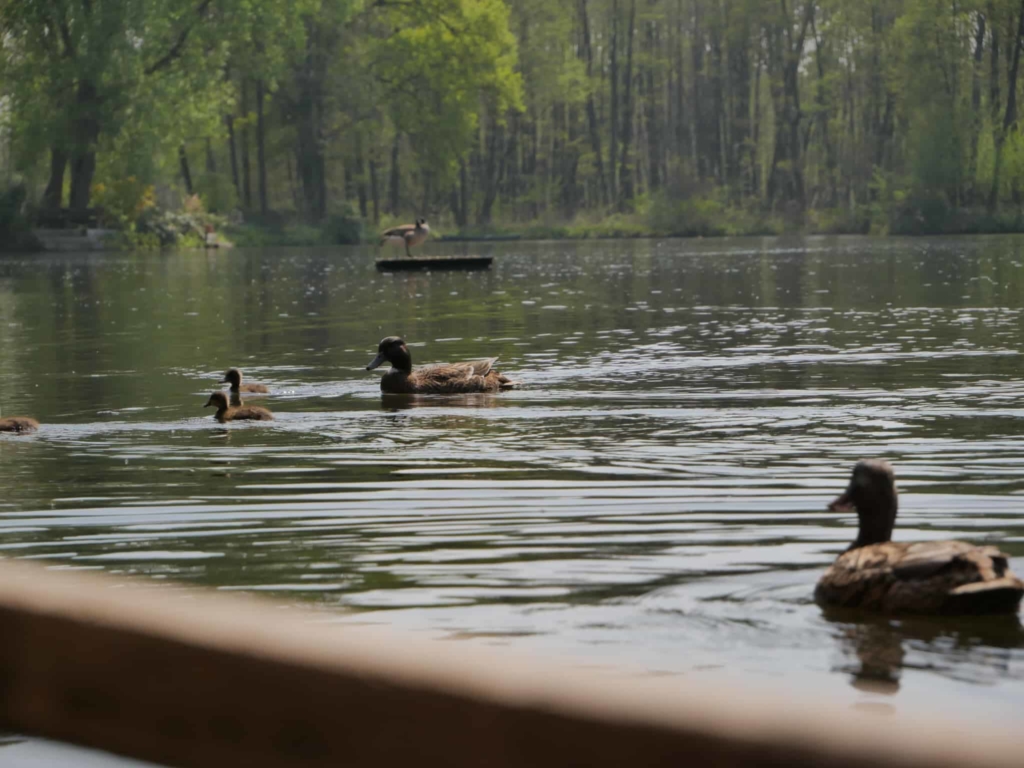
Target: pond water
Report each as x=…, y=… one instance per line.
x=653, y=497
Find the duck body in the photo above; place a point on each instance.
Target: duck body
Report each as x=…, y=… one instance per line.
x=441, y=379
x=409, y=235
x=227, y=413
x=20, y=424
x=930, y=577
x=233, y=376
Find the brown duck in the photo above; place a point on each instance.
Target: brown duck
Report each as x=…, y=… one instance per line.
x=20, y=424
x=439, y=379
x=234, y=377
x=225, y=413
x=937, y=577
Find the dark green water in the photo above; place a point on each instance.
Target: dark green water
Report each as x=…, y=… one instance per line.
x=655, y=496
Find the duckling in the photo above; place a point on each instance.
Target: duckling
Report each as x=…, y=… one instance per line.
x=440, y=379
x=929, y=577
x=224, y=413
x=409, y=234
x=20, y=424
x=234, y=377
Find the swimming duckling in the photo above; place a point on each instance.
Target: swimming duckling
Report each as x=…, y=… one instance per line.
x=947, y=577
x=439, y=379
x=410, y=235
x=224, y=413
x=234, y=377
x=20, y=424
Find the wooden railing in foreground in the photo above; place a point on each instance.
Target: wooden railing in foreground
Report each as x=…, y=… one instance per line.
x=194, y=679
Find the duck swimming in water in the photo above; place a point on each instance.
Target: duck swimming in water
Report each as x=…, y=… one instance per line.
x=234, y=377
x=225, y=413
x=19, y=424
x=410, y=235
x=928, y=577
x=439, y=379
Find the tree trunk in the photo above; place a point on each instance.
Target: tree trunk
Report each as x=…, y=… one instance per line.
x=230, y=122
x=976, y=74
x=86, y=131
x=626, y=161
x=593, y=129
x=613, y=144
x=246, y=166
x=186, y=173
x=261, y=149
x=374, y=192
x=396, y=177
x=1010, y=116
x=211, y=160
x=53, y=197
x=361, y=181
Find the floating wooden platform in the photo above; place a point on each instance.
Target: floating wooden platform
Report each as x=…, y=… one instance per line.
x=434, y=262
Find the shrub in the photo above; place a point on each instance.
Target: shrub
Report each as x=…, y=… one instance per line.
x=15, y=229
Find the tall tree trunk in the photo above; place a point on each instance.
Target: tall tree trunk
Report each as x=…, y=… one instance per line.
x=626, y=161
x=211, y=160
x=613, y=144
x=976, y=74
x=261, y=149
x=592, y=125
x=374, y=192
x=186, y=172
x=396, y=177
x=246, y=165
x=86, y=132
x=361, y=179
x=229, y=120
x=1010, y=116
x=53, y=197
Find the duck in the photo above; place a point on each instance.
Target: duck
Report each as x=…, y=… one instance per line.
x=19, y=424
x=927, y=577
x=438, y=379
x=233, y=376
x=226, y=413
x=409, y=234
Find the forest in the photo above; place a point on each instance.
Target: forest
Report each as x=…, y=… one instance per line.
x=582, y=117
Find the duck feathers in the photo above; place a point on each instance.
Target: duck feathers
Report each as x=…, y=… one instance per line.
x=922, y=577
x=447, y=378
x=18, y=424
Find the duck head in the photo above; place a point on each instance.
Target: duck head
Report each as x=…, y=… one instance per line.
x=218, y=399
x=393, y=350
x=872, y=492
x=234, y=377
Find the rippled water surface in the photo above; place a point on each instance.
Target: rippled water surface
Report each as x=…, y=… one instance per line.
x=654, y=496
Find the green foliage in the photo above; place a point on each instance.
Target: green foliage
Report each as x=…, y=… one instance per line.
x=124, y=201
x=15, y=229
x=683, y=118
x=344, y=228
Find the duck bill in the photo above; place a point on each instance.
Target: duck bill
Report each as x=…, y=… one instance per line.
x=841, y=502
x=208, y=403
x=376, y=362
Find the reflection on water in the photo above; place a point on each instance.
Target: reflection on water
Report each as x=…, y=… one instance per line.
x=654, y=495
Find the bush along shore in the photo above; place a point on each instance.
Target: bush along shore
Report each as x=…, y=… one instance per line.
x=133, y=221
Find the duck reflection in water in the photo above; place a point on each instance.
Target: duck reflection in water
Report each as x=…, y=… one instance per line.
x=876, y=650
x=390, y=402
